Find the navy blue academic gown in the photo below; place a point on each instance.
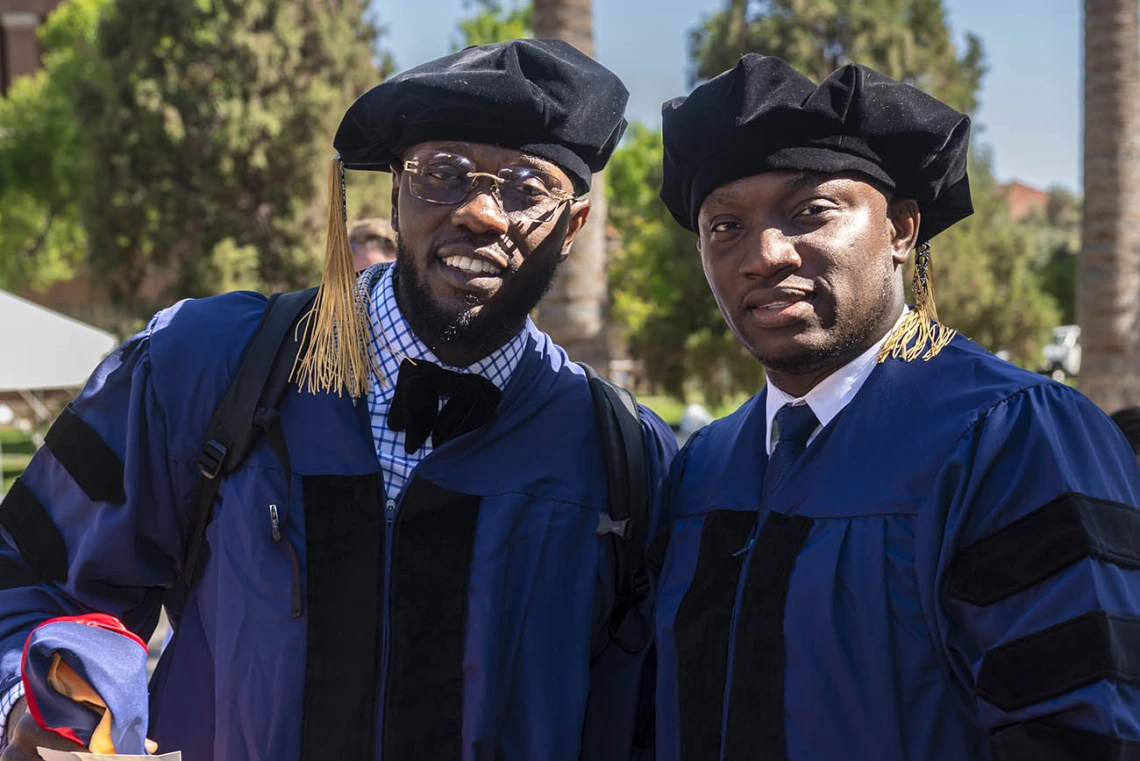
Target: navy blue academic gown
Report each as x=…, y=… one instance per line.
x=949, y=573
x=458, y=626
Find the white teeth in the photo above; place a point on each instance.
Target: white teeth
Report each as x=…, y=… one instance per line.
x=777, y=305
x=474, y=266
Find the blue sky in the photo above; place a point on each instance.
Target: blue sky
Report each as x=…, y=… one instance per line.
x=1030, y=101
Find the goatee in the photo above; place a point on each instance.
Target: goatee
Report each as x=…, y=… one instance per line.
x=475, y=331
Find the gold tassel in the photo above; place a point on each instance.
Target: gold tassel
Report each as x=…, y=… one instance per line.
x=919, y=334
x=336, y=349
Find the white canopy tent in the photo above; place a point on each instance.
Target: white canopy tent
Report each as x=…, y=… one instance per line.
x=43, y=350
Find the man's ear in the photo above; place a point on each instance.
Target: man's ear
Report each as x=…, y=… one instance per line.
x=904, y=219
x=397, y=175
x=579, y=213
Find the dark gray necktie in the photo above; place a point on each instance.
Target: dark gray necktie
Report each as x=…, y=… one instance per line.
x=794, y=426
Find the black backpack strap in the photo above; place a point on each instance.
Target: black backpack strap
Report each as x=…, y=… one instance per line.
x=247, y=408
x=619, y=722
x=623, y=453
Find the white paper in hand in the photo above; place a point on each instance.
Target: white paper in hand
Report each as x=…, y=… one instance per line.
x=47, y=754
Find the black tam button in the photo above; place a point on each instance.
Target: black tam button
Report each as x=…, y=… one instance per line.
x=471, y=403
x=765, y=116
x=542, y=97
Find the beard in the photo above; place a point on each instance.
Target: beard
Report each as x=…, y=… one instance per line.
x=481, y=327
x=849, y=338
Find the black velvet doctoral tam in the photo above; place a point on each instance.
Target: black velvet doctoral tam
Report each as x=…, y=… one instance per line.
x=542, y=97
x=763, y=116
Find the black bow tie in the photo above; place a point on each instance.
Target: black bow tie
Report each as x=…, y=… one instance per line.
x=471, y=402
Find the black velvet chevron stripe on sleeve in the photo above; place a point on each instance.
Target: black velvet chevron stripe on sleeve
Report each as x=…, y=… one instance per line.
x=1060, y=659
x=1042, y=741
x=1042, y=544
x=96, y=468
x=34, y=533
x=15, y=574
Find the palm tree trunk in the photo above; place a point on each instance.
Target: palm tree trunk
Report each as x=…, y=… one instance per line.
x=567, y=20
x=575, y=311
x=1108, y=275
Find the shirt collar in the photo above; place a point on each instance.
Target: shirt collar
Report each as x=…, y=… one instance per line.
x=831, y=395
x=394, y=341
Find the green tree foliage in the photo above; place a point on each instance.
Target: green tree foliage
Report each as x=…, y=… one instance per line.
x=494, y=21
x=211, y=138
x=660, y=296
x=988, y=281
x=193, y=138
x=908, y=40
x=1058, y=242
x=43, y=166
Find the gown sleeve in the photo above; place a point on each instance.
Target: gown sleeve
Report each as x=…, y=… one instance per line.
x=1038, y=578
x=97, y=522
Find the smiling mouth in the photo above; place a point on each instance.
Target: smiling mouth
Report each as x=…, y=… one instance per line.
x=472, y=266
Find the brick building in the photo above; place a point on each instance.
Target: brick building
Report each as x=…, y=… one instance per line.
x=1024, y=201
x=19, y=48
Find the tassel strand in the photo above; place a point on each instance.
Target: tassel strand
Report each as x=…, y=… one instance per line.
x=919, y=334
x=336, y=349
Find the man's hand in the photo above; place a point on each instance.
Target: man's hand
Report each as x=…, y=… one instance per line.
x=24, y=736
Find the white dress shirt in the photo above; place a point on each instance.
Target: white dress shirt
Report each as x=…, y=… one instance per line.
x=830, y=396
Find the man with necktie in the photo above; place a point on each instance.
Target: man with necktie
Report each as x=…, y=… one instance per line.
x=903, y=548
x=421, y=563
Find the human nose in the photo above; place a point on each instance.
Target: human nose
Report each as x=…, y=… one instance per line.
x=481, y=212
x=769, y=253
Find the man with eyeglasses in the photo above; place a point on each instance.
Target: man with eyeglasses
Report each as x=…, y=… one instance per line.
x=419, y=561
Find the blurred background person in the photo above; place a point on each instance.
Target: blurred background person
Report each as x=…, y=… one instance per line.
x=373, y=241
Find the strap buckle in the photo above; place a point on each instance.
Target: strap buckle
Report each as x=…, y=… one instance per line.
x=212, y=458
x=607, y=525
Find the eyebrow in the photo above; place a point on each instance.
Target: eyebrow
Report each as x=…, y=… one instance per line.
x=535, y=162
x=546, y=167
x=524, y=159
x=723, y=196
x=446, y=146
x=803, y=180
x=727, y=195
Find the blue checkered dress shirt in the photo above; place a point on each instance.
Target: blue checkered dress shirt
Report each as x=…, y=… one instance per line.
x=393, y=340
